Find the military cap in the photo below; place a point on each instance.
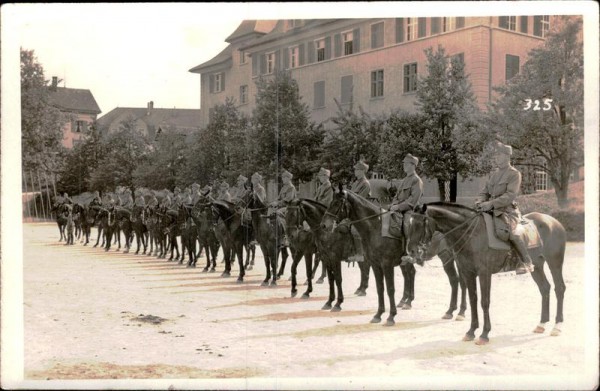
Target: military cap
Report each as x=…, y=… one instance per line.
x=361, y=166
x=195, y=185
x=241, y=178
x=324, y=172
x=257, y=176
x=224, y=185
x=286, y=174
x=503, y=148
x=411, y=159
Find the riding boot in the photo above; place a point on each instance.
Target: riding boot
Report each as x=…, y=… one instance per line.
x=527, y=264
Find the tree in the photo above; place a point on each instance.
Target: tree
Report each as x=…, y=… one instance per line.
x=354, y=137
x=282, y=135
x=453, y=141
x=41, y=124
x=540, y=111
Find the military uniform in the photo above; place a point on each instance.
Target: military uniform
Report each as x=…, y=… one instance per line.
x=67, y=199
x=362, y=187
x=97, y=201
x=153, y=203
x=238, y=191
x=324, y=193
x=224, y=192
x=140, y=201
x=195, y=194
x=257, y=188
x=499, y=195
x=166, y=202
x=409, y=191
x=128, y=203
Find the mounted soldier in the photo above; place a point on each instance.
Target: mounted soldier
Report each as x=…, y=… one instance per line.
x=67, y=199
x=498, y=196
x=324, y=193
x=238, y=191
x=257, y=187
x=287, y=194
x=186, y=198
x=96, y=201
x=177, y=197
x=195, y=194
x=166, y=202
x=140, y=200
x=153, y=202
x=128, y=202
x=224, y=192
x=362, y=187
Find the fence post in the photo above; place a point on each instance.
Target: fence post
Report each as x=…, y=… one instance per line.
x=42, y=195
x=33, y=191
x=26, y=194
x=48, y=195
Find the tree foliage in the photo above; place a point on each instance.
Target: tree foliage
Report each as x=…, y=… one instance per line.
x=555, y=136
x=282, y=135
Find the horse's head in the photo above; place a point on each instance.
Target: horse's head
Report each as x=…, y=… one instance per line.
x=418, y=231
x=338, y=209
x=294, y=215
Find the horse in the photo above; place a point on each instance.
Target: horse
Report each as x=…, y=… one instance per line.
x=464, y=228
x=107, y=220
x=85, y=221
x=205, y=233
x=188, y=231
x=139, y=228
x=61, y=221
x=123, y=216
x=171, y=230
x=267, y=235
x=239, y=234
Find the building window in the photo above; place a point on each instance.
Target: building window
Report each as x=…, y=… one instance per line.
x=347, y=87
x=244, y=94
x=460, y=57
x=410, y=77
x=243, y=57
x=293, y=23
x=319, y=98
x=411, y=28
x=79, y=126
x=377, y=35
x=218, y=82
x=512, y=66
x=270, y=62
x=448, y=24
x=508, y=23
x=320, y=47
x=294, y=56
x=347, y=40
x=541, y=180
x=545, y=24
x=377, y=83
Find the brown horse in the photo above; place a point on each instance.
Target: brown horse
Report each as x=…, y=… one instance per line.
x=464, y=230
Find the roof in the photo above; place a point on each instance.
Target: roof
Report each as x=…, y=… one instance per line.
x=180, y=118
x=279, y=33
x=73, y=99
x=218, y=59
x=248, y=27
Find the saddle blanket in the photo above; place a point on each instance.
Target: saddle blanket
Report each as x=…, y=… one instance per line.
x=526, y=229
x=391, y=225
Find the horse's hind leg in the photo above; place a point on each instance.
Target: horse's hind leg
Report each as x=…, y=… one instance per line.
x=364, y=278
x=471, y=281
x=453, y=278
x=308, y=261
x=331, y=282
x=559, y=289
x=388, y=272
x=284, y=256
x=485, y=284
x=337, y=275
x=296, y=255
x=378, y=272
x=544, y=287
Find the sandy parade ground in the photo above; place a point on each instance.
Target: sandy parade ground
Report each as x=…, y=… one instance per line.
x=89, y=314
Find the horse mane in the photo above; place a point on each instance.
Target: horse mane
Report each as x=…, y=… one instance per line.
x=365, y=202
x=313, y=203
x=450, y=205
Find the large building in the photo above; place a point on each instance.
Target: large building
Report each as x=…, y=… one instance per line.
x=371, y=63
x=79, y=105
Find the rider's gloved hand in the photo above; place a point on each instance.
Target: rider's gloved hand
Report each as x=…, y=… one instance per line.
x=486, y=206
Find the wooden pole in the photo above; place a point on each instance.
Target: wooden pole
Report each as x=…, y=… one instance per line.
x=48, y=197
x=54, y=183
x=26, y=194
x=41, y=194
x=33, y=191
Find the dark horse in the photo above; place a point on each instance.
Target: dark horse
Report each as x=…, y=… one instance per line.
x=333, y=247
x=189, y=233
x=269, y=236
x=239, y=234
x=138, y=225
x=107, y=222
x=85, y=220
x=205, y=234
x=464, y=228
x=61, y=220
x=382, y=253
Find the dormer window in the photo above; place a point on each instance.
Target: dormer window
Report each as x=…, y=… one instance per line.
x=292, y=23
x=348, y=38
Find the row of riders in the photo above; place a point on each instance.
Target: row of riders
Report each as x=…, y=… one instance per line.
x=339, y=225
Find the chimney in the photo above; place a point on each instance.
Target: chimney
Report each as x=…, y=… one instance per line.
x=150, y=107
x=54, y=83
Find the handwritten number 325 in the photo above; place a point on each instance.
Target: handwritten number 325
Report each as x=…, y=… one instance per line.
x=536, y=104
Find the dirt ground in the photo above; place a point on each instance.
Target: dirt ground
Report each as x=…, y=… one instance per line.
x=96, y=315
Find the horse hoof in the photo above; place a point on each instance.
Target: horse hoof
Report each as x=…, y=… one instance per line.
x=188, y=266
x=555, y=332
x=539, y=330
x=460, y=317
x=205, y=270
x=376, y=319
x=95, y=245
x=273, y=283
x=294, y=293
x=406, y=306
x=305, y=296
x=319, y=281
x=249, y=267
x=326, y=306
x=356, y=292
x=482, y=341
x=389, y=322
x=225, y=274
x=240, y=280
x=212, y=270
x=447, y=316
x=361, y=293
x=289, y=278
x=336, y=308
x=468, y=338
x=264, y=283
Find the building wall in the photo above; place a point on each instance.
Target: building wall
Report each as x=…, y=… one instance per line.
x=70, y=135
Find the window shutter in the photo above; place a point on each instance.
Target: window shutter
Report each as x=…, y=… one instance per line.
x=435, y=25
x=263, y=63
x=337, y=42
x=356, y=41
x=277, y=64
x=222, y=81
x=286, y=58
x=301, y=54
x=460, y=22
x=512, y=66
x=399, y=30
x=346, y=93
x=503, y=22
x=211, y=83
x=422, y=27
x=537, y=25
x=311, y=51
x=523, y=27
x=255, y=58
x=319, y=98
x=327, y=48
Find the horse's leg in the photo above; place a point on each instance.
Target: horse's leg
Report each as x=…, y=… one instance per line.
x=267, y=258
x=98, y=237
x=227, y=258
x=59, y=231
x=405, y=290
x=559, y=289
x=183, y=248
x=463, y=297
x=274, y=259
x=378, y=273
x=337, y=274
x=471, y=281
x=485, y=284
x=296, y=256
x=409, y=286
x=544, y=287
x=452, y=274
x=364, y=267
x=388, y=272
x=308, y=258
x=283, y=261
x=330, y=280
x=240, y=259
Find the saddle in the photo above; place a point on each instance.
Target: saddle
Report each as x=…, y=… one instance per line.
x=391, y=225
x=498, y=233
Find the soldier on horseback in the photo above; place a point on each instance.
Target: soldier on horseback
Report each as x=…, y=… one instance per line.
x=257, y=188
x=195, y=195
x=287, y=194
x=128, y=202
x=96, y=201
x=67, y=199
x=224, y=192
x=410, y=190
x=362, y=187
x=324, y=193
x=499, y=194
x=177, y=196
x=238, y=191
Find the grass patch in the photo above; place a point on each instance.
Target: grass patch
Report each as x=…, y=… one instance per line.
x=571, y=217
